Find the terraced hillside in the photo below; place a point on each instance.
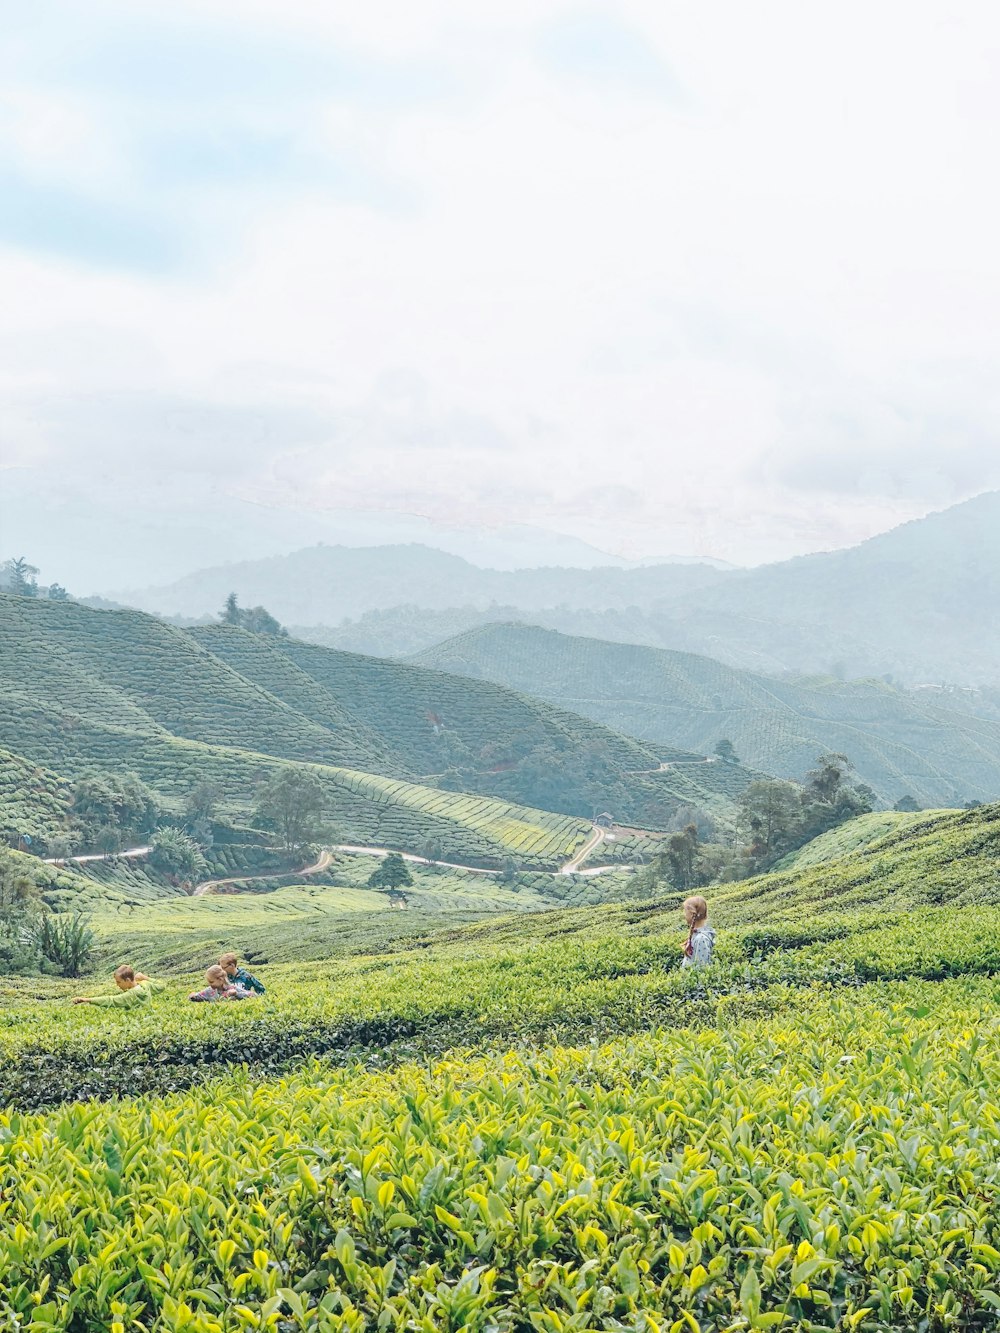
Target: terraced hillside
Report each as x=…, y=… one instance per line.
x=80, y=687
x=900, y=742
x=33, y=799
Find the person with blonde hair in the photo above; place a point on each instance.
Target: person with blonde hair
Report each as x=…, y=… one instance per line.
x=239, y=975
x=219, y=987
x=134, y=988
x=700, y=943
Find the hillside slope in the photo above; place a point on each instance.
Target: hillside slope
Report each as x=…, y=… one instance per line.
x=119, y=688
x=901, y=742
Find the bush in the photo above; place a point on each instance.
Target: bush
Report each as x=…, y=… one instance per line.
x=67, y=941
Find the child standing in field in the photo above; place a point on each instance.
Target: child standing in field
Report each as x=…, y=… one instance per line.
x=700, y=943
x=219, y=988
x=239, y=975
x=134, y=988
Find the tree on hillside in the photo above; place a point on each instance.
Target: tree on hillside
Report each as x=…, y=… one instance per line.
x=772, y=810
x=177, y=854
x=118, y=802
x=390, y=873
x=293, y=804
x=726, y=751
x=57, y=593
x=257, y=619
x=907, y=804
x=830, y=799
x=21, y=577
x=202, y=799
x=682, y=857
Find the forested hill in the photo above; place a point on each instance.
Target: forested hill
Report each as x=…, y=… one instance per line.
x=921, y=603
x=902, y=742
x=119, y=688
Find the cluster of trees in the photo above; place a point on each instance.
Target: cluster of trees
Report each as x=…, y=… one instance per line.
x=255, y=618
x=21, y=580
x=775, y=817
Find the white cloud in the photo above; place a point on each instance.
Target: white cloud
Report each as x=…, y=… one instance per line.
x=750, y=316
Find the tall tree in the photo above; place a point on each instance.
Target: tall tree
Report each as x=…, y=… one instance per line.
x=231, y=614
x=772, y=810
x=21, y=577
x=293, y=804
x=726, y=751
x=390, y=873
x=57, y=593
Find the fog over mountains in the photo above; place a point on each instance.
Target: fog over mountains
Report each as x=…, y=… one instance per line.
x=919, y=603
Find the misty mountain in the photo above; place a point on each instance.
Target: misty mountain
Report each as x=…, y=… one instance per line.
x=919, y=603
x=325, y=584
x=902, y=742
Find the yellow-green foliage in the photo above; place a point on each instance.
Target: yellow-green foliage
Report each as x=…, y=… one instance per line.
x=804, y=1136
x=830, y=1168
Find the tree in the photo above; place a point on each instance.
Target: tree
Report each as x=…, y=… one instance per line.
x=21, y=577
x=906, y=803
x=682, y=858
x=259, y=621
x=122, y=803
x=175, y=853
x=201, y=800
x=772, y=810
x=292, y=804
x=390, y=873
x=57, y=593
x=726, y=751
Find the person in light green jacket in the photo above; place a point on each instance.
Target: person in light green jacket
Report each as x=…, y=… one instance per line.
x=134, y=988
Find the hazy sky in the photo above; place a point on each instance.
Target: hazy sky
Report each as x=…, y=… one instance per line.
x=717, y=279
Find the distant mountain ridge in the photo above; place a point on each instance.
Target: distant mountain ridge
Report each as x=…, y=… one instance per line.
x=921, y=603
x=902, y=742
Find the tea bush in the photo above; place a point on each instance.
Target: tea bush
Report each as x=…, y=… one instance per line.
x=832, y=1168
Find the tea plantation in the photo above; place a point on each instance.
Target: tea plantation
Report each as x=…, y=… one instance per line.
x=120, y=690
x=533, y=1121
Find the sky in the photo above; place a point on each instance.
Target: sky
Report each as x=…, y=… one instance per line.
x=715, y=280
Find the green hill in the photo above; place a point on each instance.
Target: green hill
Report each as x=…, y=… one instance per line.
x=901, y=742
x=120, y=689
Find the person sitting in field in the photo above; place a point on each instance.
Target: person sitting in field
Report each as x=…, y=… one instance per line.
x=239, y=976
x=219, y=987
x=700, y=943
x=134, y=988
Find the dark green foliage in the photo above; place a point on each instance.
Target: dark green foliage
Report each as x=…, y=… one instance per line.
x=726, y=751
x=293, y=804
x=20, y=904
x=67, y=942
x=256, y=620
x=121, y=803
x=175, y=853
x=20, y=577
x=782, y=816
x=390, y=873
